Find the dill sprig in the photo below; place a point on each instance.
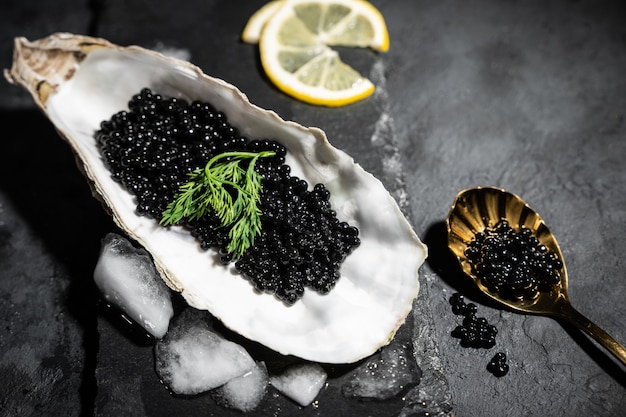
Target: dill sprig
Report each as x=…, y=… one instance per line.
x=229, y=186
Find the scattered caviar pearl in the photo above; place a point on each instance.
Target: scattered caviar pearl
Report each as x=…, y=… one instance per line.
x=498, y=366
x=151, y=148
x=475, y=331
x=513, y=264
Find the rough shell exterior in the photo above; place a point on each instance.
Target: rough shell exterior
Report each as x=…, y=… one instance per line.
x=79, y=81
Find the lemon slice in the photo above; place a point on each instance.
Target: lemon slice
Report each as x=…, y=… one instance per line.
x=252, y=31
x=295, y=42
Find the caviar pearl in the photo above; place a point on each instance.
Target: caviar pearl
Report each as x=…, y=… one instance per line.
x=475, y=331
x=151, y=148
x=497, y=365
x=513, y=264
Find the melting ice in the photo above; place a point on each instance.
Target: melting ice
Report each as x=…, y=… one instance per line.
x=126, y=277
x=300, y=382
x=245, y=392
x=384, y=376
x=193, y=358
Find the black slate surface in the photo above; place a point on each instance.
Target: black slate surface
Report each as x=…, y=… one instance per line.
x=529, y=96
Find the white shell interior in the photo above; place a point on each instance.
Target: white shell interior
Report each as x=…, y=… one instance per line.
x=379, y=279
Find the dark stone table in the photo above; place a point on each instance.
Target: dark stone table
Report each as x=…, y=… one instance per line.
x=528, y=96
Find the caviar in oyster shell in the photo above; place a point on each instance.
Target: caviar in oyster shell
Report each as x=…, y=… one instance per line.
x=153, y=147
x=79, y=81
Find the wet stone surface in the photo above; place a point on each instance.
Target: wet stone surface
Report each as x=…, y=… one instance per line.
x=526, y=96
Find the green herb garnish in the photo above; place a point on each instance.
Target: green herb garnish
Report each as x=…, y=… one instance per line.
x=229, y=188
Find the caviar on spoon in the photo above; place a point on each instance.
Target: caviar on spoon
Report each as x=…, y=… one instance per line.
x=481, y=211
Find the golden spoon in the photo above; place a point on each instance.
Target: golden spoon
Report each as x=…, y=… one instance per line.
x=476, y=209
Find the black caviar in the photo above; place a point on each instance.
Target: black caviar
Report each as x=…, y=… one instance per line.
x=513, y=264
x=475, y=332
x=151, y=148
x=497, y=365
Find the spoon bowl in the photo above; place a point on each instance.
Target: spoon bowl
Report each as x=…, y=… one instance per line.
x=476, y=209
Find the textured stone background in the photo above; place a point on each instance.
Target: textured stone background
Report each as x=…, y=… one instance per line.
x=529, y=96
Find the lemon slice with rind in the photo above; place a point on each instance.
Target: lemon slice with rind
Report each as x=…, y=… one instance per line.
x=252, y=31
x=295, y=47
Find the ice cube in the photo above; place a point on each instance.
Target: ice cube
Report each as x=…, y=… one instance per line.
x=301, y=382
x=384, y=376
x=245, y=392
x=127, y=278
x=194, y=358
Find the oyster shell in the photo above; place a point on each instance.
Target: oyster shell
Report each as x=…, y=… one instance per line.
x=79, y=81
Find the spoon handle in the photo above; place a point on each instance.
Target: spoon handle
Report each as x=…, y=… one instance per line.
x=569, y=313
